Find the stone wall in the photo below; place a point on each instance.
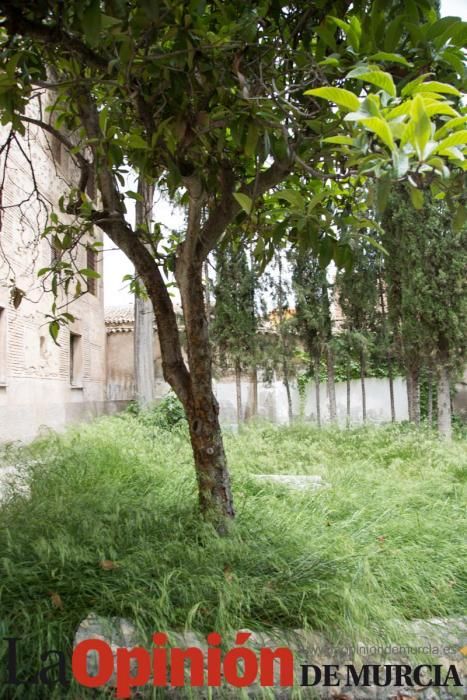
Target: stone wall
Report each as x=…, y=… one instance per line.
x=272, y=401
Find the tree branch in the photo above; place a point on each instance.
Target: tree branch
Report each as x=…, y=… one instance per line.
x=16, y=23
x=228, y=207
x=84, y=165
x=112, y=222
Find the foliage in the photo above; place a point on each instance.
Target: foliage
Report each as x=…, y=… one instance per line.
x=234, y=325
x=220, y=95
x=112, y=492
x=425, y=272
x=166, y=414
x=311, y=290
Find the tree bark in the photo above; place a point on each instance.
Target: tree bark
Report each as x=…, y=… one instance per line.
x=347, y=420
x=391, y=390
x=413, y=393
x=143, y=331
x=254, y=381
x=362, y=382
x=429, y=410
x=285, y=379
x=408, y=381
x=207, y=291
x=202, y=408
x=444, y=399
x=238, y=387
x=416, y=398
x=317, y=392
x=331, y=384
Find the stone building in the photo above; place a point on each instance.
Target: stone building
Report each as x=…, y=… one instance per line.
x=120, y=365
x=42, y=383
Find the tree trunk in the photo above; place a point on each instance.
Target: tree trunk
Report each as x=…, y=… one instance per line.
x=413, y=393
x=318, y=403
x=347, y=420
x=201, y=406
x=444, y=399
x=143, y=331
x=285, y=379
x=144, y=351
x=416, y=397
x=429, y=409
x=385, y=332
x=362, y=382
x=391, y=390
x=254, y=381
x=207, y=291
x=238, y=387
x=331, y=385
x=408, y=381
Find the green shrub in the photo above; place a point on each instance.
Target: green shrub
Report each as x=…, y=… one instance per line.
x=167, y=414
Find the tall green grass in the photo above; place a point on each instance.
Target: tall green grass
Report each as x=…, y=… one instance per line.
x=383, y=544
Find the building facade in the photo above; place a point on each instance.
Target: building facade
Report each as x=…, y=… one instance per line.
x=43, y=383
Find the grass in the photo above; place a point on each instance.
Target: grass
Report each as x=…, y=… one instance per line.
x=383, y=544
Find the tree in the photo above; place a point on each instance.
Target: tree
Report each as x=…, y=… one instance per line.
x=234, y=325
x=313, y=315
x=358, y=298
x=426, y=281
x=209, y=100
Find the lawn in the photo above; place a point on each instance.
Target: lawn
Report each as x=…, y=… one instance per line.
x=104, y=519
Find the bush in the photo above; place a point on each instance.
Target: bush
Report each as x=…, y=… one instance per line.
x=168, y=414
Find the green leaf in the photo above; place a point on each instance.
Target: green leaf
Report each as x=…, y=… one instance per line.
x=245, y=202
x=92, y=22
x=54, y=328
x=410, y=87
x=449, y=126
x=353, y=30
x=416, y=196
x=87, y=272
x=137, y=141
x=292, y=197
x=439, y=27
x=422, y=123
x=457, y=139
x=251, y=140
x=440, y=108
x=43, y=271
x=400, y=162
x=383, y=188
x=459, y=218
x=381, y=129
x=326, y=251
x=341, y=97
x=317, y=199
x=372, y=241
x=17, y=296
x=339, y=140
x=399, y=111
x=379, y=78
x=390, y=58
x=134, y=195
x=435, y=86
